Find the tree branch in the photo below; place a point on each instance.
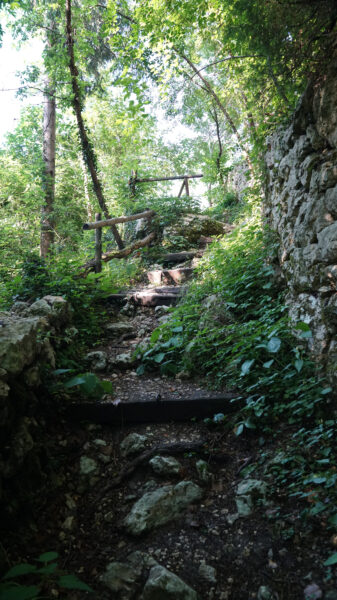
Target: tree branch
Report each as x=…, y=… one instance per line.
x=216, y=62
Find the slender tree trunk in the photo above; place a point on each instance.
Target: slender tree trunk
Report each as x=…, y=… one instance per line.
x=86, y=189
x=207, y=86
x=218, y=135
x=88, y=151
x=47, y=224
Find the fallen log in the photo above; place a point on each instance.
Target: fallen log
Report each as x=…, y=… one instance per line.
x=90, y=265
x=148, y=214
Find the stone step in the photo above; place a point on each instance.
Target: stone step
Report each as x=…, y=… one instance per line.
x=174, y=276
x=152, y=411
x=177, y=257
x=160, y=296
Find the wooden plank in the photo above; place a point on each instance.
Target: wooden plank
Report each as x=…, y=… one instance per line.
x=161, y=296
x=150, y=411
x=147, y=214
x=173, y=178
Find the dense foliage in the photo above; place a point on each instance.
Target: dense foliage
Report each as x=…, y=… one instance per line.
x=231, y=71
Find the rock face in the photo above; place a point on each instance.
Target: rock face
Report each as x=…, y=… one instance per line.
x=192, y=227
x=301, y=207
x=25, y=350
x=161, y=506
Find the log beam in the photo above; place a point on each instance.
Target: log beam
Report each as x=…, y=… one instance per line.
x=148, y=214
x=148, y=179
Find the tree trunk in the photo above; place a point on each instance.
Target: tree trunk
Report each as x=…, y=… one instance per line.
x=87, y=149
x=208, y=87
x=47, y=224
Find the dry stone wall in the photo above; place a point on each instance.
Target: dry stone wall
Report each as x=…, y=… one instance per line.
x=301, y=207
x=29, y=335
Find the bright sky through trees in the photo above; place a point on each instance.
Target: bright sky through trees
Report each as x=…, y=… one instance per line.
x=13, y=60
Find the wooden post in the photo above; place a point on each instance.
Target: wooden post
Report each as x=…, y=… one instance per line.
x=181, y=189
x=98, y=245
x=187, y=187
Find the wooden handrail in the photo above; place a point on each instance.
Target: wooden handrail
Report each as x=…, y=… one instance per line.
x=106, y=222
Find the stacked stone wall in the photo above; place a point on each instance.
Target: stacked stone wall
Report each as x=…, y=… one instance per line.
x=301, y=207
x=29, y=335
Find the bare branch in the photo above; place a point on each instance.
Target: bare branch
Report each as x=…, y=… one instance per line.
x=216, y=62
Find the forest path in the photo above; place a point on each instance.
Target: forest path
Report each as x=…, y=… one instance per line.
x=164, y=511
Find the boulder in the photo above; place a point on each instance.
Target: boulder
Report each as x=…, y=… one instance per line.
x=97, y=359
x=123, y=361
x=161, y=506
x=121, y=578
x=88, y=466
x=165, y=465
x=19, y=341
x=55, y=309
x=249, y=493
x=133, y=443
x=192, y=227
x=164, y=585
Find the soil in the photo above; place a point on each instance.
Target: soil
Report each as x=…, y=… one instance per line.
x=82, y=519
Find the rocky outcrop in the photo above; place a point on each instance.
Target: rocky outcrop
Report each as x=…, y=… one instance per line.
x=192, y=227
x=161, y=506
x=28, y=337
x=301, y=207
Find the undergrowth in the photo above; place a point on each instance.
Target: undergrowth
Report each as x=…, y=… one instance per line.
x=59, y=277
x=232, y=327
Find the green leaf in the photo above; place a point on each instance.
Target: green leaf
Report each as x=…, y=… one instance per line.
x=302, y=326
x=298, y=365
x=19, y=592
x=107, y=386
x=268, y=364
x=140, y=370
x=61, y=371
x=155, y=336
x=245, y=367
x=239, y=429
x=332, y=560
x=326, y=391
x=158, y=358
x=18, y=570
x=48, y=569
x=178, y=329
x=274, y=345
x=71, y=582
x=78, y=380
x=249, y=423
x=47, y=557
x=306, y=335
x=333, y=519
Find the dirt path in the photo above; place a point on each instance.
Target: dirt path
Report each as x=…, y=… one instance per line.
x=235, y=538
